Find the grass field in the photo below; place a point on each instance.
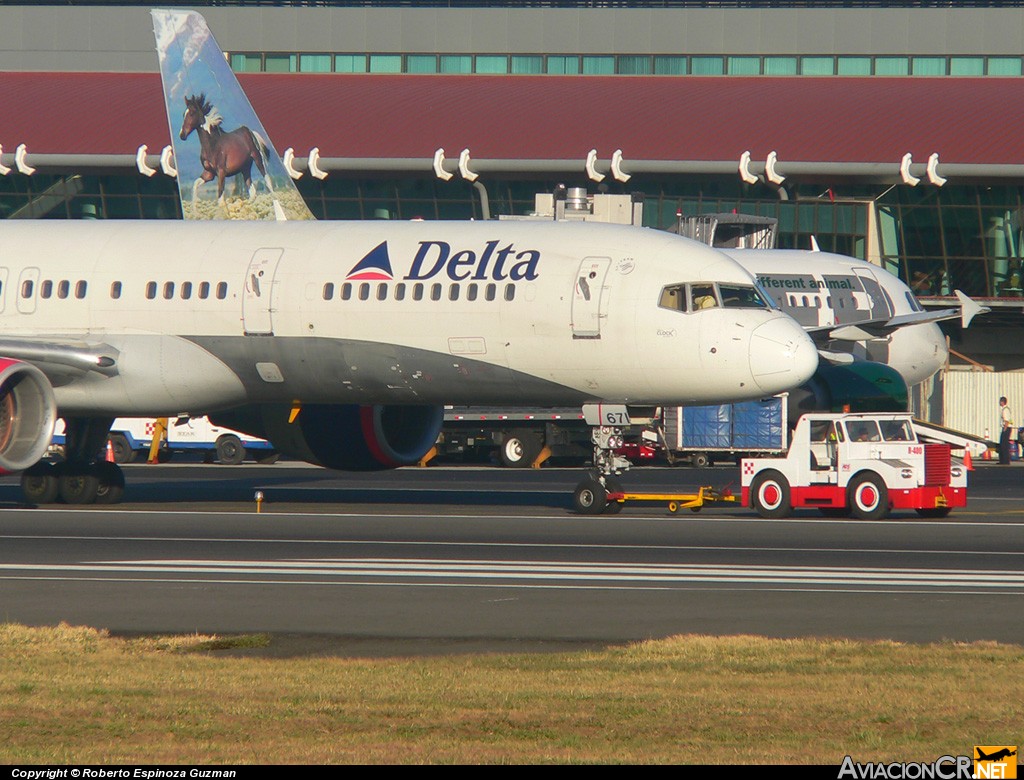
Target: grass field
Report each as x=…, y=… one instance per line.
x=78, y=695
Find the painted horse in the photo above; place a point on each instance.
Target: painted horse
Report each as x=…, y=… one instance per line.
x=222, y=153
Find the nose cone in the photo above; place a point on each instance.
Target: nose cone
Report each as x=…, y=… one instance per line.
x=782, y=355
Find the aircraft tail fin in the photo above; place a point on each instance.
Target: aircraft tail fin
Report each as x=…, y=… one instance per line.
x=218, y=121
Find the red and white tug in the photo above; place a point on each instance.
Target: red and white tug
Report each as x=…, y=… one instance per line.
x=862, y=465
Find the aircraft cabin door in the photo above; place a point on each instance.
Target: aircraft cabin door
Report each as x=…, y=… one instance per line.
x=257, y=301
x=880, y=308
x=588, y=299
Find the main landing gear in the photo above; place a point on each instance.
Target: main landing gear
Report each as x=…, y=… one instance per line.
x=82, y=478
x=591, y=495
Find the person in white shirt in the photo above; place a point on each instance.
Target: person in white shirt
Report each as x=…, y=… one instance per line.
x=1006, y=428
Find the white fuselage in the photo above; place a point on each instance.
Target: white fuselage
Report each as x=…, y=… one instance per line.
x=196, y=317
x=820, y=289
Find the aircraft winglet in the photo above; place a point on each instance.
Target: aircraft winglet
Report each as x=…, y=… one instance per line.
x=969, y=308
x=219, y=140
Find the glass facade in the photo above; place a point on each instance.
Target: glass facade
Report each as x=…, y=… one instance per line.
x=631, y=64
x=963, y=237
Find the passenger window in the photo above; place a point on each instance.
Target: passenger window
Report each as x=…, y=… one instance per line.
x=186, y=290
x=222, y=290
x=510, y=292
x=46, y=288
x=115, y=290
x=364, y=292
x=490, y=291
x=26, y=288
x=80, y=288
x=382, y=292
x=471, y=292
x=417, y=291
x=453, y=292
x=151, y=290
x=63, y=288
x=435, y=292
x=400, y=291
x=328, y=291
x=204, y=290
x=346, y=292
x=168, y=290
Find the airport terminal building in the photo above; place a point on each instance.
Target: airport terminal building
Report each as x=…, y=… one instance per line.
x=888, y=133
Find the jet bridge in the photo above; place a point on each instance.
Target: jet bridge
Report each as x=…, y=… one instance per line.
x=730, y=231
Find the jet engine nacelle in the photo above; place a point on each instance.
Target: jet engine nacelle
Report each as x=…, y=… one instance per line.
x=344, y=437
x=863, y=386
x=28, y=413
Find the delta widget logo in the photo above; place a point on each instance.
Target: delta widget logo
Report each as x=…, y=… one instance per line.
x=375, y=265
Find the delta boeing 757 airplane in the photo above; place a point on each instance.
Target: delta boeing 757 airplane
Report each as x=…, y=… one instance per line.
x=341, y=342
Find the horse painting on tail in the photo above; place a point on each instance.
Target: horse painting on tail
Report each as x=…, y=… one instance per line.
x=223, y=153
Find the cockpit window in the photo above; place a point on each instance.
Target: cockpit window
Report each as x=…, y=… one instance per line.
x=736, y=296
x=703, y=296
x=673, y=297
x=707, y=295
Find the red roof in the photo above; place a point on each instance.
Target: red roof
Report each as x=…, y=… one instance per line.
x=807, y=119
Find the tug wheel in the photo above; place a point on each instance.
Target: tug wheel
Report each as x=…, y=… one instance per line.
x=769, y=495
x=868, y=497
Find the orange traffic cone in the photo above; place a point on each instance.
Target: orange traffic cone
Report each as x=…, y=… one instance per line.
x=987, y=455
x=110, y=452
x=968, y=464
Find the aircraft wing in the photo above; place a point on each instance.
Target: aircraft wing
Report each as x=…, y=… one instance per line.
x=867, y=330
x=62, y=360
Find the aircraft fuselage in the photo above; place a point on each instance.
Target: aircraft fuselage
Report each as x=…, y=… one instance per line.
x=196, y=317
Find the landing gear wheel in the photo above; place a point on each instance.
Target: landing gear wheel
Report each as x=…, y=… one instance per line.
x=111, y=483
x=230, y=450
x=39, y=483
x=78, y=484
x=868, y=497
x=590, y=497
x=519, y=449
x=769, y=495
x=123, y=452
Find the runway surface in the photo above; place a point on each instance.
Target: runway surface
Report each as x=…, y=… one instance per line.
x=491, y=557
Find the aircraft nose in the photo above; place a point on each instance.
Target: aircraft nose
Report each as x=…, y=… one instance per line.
x=782, y=355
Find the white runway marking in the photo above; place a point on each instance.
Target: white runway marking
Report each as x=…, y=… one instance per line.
x=562, y=574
